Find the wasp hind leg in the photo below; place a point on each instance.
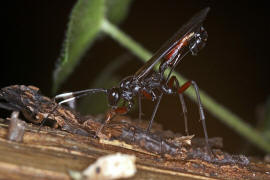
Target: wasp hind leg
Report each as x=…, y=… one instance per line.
x=201, y=111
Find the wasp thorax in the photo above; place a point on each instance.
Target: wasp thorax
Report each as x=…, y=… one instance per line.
x=125, y=83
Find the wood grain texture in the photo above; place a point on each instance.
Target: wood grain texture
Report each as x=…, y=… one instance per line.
x=51, y=152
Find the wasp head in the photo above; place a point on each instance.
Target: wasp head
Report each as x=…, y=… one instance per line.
x=198, y=42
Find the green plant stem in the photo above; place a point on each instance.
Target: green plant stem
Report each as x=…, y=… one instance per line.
x=209, y=103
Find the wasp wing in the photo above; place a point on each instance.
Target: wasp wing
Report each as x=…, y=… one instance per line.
x=192, y=25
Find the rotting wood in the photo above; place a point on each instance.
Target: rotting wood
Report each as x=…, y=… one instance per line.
x=74, y=151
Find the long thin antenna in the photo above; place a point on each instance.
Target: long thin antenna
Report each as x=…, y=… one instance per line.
x=71, y=96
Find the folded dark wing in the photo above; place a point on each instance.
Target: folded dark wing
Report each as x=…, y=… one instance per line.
x=192, y=25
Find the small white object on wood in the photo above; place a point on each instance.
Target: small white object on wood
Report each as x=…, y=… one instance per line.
x=112, y=166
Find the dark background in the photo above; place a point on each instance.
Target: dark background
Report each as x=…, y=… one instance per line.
x=233, y=67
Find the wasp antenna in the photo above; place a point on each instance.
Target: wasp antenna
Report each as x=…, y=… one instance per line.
x=75, y=93
x=71, y=96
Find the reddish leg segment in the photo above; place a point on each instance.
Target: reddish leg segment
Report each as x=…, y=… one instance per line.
x=110, y=114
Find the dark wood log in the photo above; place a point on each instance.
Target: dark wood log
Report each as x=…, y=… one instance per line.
x=71, y=144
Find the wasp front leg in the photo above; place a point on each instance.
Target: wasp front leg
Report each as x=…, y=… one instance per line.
x=112, y=112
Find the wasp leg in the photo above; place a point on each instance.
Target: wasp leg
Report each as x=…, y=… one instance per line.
x=154, y=113
x=110, y=114
x=171, y=82
x=201, y=111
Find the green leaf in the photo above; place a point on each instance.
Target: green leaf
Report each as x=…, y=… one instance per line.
x=117, y=10
x=83, y=28
x=85, y=22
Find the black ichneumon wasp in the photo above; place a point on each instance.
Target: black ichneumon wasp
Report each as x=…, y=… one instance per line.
x=150, y=84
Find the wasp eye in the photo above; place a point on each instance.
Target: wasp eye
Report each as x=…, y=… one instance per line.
x=113, y=96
